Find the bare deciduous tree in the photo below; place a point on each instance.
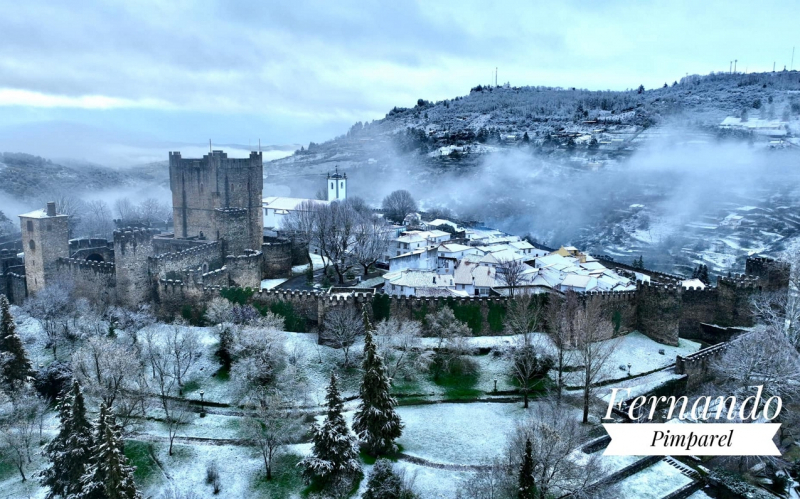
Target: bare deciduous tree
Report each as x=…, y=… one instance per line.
x=96, y=220
x=511, y=274
x=343, y=325
x=335, y=232
x=274, y=424
x=555, y=433
x=183, y=348
x=397, y=342
x=593, y=347
x=104, y=366
x=397, y=205
x=52, y=306
x=372, y=238
x=126, y=209
x=301, y=224
x=560, y=313
x=19, y=419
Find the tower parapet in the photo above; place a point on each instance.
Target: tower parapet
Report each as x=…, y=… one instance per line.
x=215, y=181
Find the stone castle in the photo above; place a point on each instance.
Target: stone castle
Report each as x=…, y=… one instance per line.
x=218, y=240
x=218, y=243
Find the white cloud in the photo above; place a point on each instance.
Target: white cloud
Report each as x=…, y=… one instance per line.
x=15, y=97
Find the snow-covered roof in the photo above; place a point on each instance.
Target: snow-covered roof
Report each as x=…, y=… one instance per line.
x=418, y=278
x=36, y=214
x=585, y=282
x=290, y=204
x=442, y=221
x=453, y=248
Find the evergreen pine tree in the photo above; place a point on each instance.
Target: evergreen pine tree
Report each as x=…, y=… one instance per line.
x=696, y=272
x=70, y=450
x=108, y=476
x=703, y=275
x=384, y=483
x=527, y=487
x=16, y=367
x=334, y=455
x=375, y=422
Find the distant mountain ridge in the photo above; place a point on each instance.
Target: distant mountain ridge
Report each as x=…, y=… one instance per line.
x=552, y=119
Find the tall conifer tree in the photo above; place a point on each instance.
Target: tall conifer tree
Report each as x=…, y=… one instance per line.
x=109, y=475
x=334, y=455
x=69, y=452
x=16, y=367
x=376, y=422
x=527, y=487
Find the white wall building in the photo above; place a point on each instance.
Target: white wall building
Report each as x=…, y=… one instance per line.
x=276, y=209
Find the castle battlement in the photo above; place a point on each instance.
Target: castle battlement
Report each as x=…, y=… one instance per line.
x=248, y=255
x=178, y=255
x=99, y=267
x=133, y=236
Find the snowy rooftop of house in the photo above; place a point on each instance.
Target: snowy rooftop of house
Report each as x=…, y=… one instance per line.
x=280, y=203
x=412, y=253
x=453, y=248
x=421, y=235
x=38, y=214
x=520, y=245
x=579, y=281
x=731, y=121
x=442, y=221
x=418, y=278
x=474, y=273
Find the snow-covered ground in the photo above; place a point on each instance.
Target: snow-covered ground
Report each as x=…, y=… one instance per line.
x=653, y=482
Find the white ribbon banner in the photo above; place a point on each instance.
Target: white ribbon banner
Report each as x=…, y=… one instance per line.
x=691, y=439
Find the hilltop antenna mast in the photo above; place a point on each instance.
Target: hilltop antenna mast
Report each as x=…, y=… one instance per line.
x=730, y=68
x=735, y=61
x=773, y=66
x=209, y=146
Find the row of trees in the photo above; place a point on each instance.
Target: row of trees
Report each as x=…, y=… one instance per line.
x=347, y=233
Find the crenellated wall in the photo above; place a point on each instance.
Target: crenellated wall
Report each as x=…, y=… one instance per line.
x=244, y=270
x=619, y=306
x=733, y=300
x=658, y=311
x=95, y=281
x=278, y=257
x=773, y=274
x=16, y=287
x=698, y=305
x=206, y=256
x=696, y=366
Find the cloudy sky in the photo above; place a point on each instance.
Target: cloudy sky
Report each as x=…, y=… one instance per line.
x=144, y=74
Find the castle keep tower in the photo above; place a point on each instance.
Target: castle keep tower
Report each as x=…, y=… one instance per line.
x=337, y=186
x=45, y=239
x=204, y=190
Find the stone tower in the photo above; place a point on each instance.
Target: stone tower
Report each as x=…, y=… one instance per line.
x=132, y=249
x=202, y=187
x=337, y=186
x=45, y=239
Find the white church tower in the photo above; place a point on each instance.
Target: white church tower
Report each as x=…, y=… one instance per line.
x=337, y=186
